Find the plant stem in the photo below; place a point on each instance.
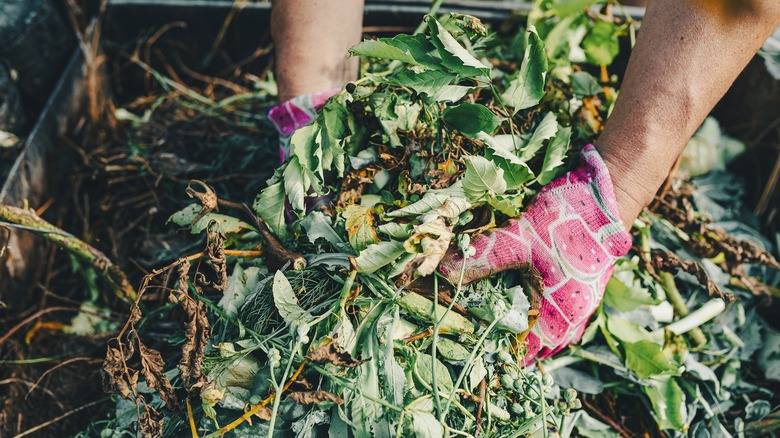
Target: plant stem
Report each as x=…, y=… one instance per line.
x=695, y=319
x=282, y=384
x=28, y=220
x=678, y=303
x=434, y=342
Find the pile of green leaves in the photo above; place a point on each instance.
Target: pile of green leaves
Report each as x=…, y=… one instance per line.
x=447, y=132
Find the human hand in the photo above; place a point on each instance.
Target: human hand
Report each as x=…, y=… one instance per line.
x=572, y=235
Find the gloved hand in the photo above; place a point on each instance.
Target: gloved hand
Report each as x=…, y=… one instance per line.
x=572, y=235
x=296, y=113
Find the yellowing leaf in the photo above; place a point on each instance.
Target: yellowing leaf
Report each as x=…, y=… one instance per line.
x=361, y=229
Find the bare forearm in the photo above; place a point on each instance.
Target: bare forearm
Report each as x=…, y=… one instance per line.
x=312, y=38
x=687, y=55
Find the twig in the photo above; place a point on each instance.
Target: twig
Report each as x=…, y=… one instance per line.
x=61, y=364
x=605, y=418
x=56, y=419
x=28, y=220
x=33, y=317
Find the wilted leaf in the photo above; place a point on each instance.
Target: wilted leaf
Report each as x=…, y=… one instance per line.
x=471, y=119
x=117, y=377
x=152, y=368
x=429, y=242
x=150, y=423
x=331, y=352
x=312, y=397
x=360, y=226
x=526, y=89
x=378, y=255
x=198, y=329
x=227, y=224
x=286, y=302
x=482, y=177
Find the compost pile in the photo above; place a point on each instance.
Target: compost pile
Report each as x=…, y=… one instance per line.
x=318, y=311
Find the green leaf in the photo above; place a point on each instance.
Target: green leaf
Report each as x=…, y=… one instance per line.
x=626, y=298
x=516, y=172
x=668, y=402
x=627, y=331
x=414, y=50
x=318, y=225
x=452, y=351
x=584, y=84
x=510, y=205
x=286, y=302
x=296, y=183
x=422, y=308
x=564, y=8
x=396, y=230
x=546, y=130
x=425, y=424
x=425, y=364
x=449, y=202
x=526, y=88
x=646, y=358
x=226, y=224
x=334, y=124
x=553, y=157
x=482, y=177
x=378, y=255
x=269, y=205
x=601, y=44
x=471, y=119
x=438, y=85
x=360, y=226
x=454, y=56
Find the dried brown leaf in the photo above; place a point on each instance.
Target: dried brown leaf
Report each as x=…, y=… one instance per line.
x=117, y=377
x=310, y=397
x=198, y=329
x=330, y=352
x=152, y=366
x=150, y=423
x=264, y=414
x=216, y=252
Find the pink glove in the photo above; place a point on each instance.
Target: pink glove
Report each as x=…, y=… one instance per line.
x=296, y=113
x=572, y=234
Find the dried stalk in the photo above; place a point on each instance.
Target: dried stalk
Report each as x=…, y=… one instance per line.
x=28, y=220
